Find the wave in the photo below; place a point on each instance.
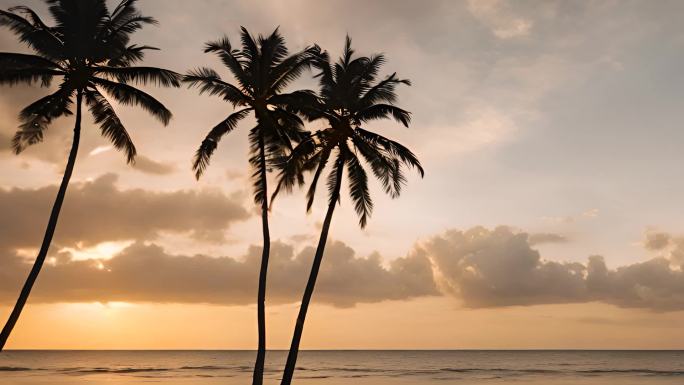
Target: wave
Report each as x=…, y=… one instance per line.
x=507, y=372
x=351, y=372
x=207, y=367
x=470, y=370
x=114, y=370
x=15, y=369
x=654, y=372
x=635, y=371
x=131, y=370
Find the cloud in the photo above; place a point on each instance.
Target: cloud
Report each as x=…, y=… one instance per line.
x=98, y=211
x=488, y=268
x=592, y=213
x=493, y=268
x=147, y=273
x=149, y=166
x=495, y=15
x=655, y=240
x=653, y=284
x=482, y=126
x=304, y=237
x=537, y=238
x=100, y=150
x=671, y=246
x=234, y=174
x=483, y=268
x=587, y=215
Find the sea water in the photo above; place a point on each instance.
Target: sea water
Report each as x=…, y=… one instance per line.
x=344, y=367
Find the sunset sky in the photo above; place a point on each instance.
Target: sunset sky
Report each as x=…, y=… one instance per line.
x=550, y=216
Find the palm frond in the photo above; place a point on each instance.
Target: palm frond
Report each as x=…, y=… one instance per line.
x=382, y=92
x=300, y=101
x=325, y=76
x=358, y=189
x=209, y=81
x=124, y=13
x=28, y=76
x=142, y=75
x=33, y=33
x=383, y=166
x=86, y=40
x=384, y=111
x=124, y=20
x=110, y=124
x=129, y=95
x=289, y=125
x=36, y=117
x=398, y=178
x=249, y=46
x=233, y=60
x=322, y=159
x=361, y=73
x=18, y=61
x=293, y=167
x=129, y=55
x=252, y=65
x=258, y=162
x=292, y=67
x=119, y=32
x=210, y=142
x=392, y=147
x=31, y=16
x=74, y=21
x=272, y=51
x=372, y=67
x=347, y=53
x=335, y=178
x=122, y=7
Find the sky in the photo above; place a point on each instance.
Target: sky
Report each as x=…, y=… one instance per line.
x=549, y=216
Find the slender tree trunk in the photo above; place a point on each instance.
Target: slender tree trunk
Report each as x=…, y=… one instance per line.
x=49, y=232
x=258, y=377
x=311, y=283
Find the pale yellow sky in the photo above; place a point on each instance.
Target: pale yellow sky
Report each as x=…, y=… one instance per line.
x=441, y=324
x=550, y=215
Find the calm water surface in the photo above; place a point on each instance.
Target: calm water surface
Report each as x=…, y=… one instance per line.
x=344, y=367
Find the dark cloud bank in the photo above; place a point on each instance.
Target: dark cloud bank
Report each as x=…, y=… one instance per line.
x=481, y=267
x=98, y=211
x=146, y=273
x=490, y=268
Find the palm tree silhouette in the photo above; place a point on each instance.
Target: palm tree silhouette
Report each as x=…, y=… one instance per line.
x=88, y=49
x=262, y=70
x=350, y=97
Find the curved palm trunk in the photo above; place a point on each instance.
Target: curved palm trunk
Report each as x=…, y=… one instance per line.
x=258, y=376
x=311, y=283
x=49, y=232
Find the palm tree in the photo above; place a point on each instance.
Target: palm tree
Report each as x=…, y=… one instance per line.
x=350, y=97
x=262, y=69
x=88, y=50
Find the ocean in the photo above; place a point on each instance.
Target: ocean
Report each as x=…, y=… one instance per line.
x=344, y=367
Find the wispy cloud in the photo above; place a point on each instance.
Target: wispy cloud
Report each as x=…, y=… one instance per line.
x=499, y=19
x=150, y=166
x=100, y=150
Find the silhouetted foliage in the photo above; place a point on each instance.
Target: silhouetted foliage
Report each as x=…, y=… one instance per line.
x=350, y=97
x=88, y=51
x=262, y=68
